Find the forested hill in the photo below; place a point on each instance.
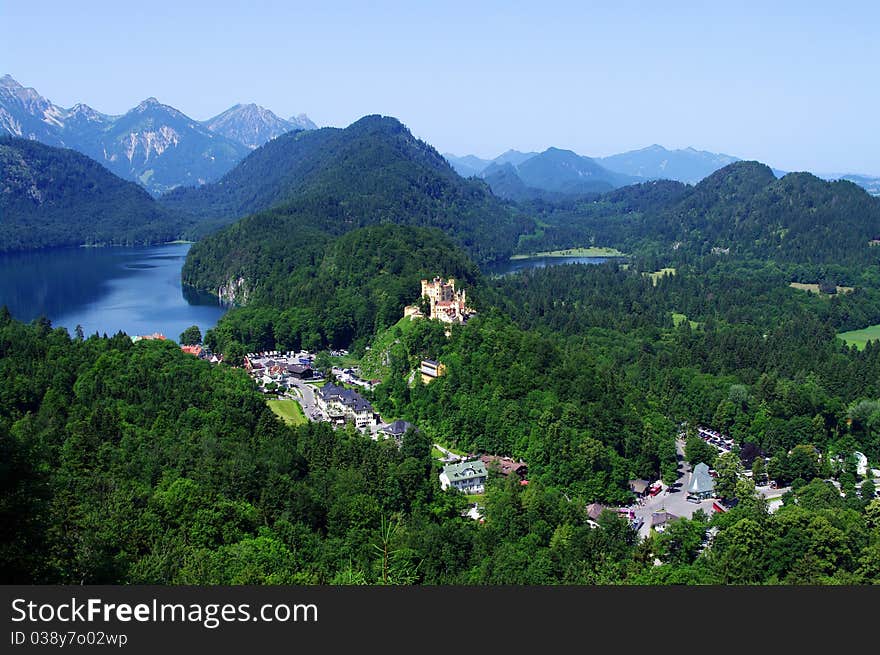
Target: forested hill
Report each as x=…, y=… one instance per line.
x=740, y=210
x=57, y=197
x=798, y=218
x=322, y=291
x=335, y=180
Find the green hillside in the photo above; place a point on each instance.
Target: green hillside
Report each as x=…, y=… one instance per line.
x=57, y=197
x=740, y=210
x=336, y=180
x=340, y=291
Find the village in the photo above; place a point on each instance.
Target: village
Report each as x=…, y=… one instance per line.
x=334, y=396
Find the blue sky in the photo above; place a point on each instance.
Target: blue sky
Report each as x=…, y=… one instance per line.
x=793, y=85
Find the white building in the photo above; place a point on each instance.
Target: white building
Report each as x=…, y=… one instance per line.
x=340, y=404
x=467, y=477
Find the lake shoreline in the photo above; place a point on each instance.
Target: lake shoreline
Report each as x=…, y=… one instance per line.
x=572, y=252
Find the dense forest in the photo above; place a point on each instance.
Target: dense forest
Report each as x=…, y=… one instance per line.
x=225, y=493
x=57, y=197
x=741, y=210
x=325, y=292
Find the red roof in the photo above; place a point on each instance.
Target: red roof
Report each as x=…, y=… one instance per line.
x=192, y=350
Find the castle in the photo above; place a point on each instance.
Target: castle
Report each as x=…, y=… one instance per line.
x=446, y=304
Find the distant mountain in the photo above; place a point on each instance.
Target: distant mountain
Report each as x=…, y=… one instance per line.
x=302, y=122
x=330, y=181
x=505, y=183
x=249, y=125
x=656, y=162
x=651, y=163
x=554, y=173
x=564, y=171
x=25, y=113
x=252, y=125
x=514, y=157
x=161, y=148
x=58, y=197
x=467, y=166
x=471, y=165
x=869, y=183
x=153, y=144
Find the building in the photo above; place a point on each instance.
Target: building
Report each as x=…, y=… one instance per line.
x=505, y=465
x=156, y=336
x=299, y=371
x=396, y=430
x=702, y=485
x=341, y=404
x=594, y=511
x=639, y=487
x=196, y=351
x=444, y=302
x=659, y=520
x=431, y=370
x=467, y=477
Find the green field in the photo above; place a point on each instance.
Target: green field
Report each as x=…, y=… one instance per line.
x=814, y=288
x=289, y=410
x=575, y=252
x=859, y=338
x=345, y=361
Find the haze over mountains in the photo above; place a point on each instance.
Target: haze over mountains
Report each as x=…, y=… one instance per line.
x=522, y=175
x=153, y=144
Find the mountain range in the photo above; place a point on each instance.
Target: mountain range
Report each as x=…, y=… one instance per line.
x=550, y=174
x=655, y=162
x=153, y=144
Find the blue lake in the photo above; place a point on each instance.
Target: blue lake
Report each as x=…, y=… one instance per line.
x=105, y=290
x=516, y=265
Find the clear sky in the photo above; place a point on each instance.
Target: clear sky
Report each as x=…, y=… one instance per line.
x=793, y=84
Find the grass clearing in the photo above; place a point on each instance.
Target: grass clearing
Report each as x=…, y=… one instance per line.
x=289, y=410
x=574, y=252
x=475, y=498
x=345, y=361
x=678, y=319
x=860, y=338
x=814, y=288
x=656, y=275
x=374, y=365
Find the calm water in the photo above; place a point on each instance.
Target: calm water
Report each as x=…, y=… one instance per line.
x=515, y=265
x=136, y=290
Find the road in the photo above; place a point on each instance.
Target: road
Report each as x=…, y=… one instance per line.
x=671, y=499
x=449, y=455
x=305, y=394
x=674, y=499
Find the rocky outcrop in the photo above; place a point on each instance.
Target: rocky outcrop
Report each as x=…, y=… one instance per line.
x=235, y=291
